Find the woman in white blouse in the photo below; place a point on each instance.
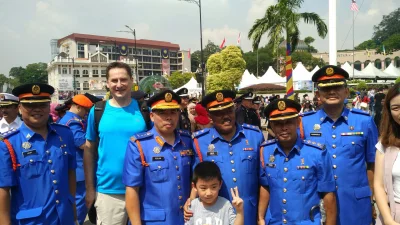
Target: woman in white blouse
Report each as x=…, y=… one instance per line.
x=387, y=162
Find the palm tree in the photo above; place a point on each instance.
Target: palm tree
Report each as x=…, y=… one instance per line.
x=284, y=18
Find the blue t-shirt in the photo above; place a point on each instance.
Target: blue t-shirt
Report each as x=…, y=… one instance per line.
x=116, y=126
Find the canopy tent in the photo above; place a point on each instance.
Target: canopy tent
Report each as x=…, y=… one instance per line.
x=264, y=86
x=300, y=73
x=247, y=80
x=357, y=74
x=192, y=86
x=372, y=72
x=271, y=77
x=314, y=70
x=392, y=71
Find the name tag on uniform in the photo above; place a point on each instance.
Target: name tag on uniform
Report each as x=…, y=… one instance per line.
x=271, y=165
x=212, y=153
x=303, y=167
x=248, y=149
x=28, y=153
x=158, y=158
x=315, y=134
x=352, y=134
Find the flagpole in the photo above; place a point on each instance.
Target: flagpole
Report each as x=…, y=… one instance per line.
x=332, y=33
x=353, y=46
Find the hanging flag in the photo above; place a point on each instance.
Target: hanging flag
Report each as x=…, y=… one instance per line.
x=289, y=73
x=222, y=44
x=354, y=6
x=384, y=50
x=238, y=40
x=189, y=54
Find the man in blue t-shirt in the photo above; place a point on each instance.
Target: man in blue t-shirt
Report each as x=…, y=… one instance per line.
x=121, y=119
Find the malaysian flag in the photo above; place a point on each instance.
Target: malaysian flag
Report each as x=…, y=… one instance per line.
x=354, y=6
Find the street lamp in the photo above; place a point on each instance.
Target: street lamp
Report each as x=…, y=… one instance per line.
x=198, y=3
x=133, y=31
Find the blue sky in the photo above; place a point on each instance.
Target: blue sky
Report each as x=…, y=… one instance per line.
x=28, y=25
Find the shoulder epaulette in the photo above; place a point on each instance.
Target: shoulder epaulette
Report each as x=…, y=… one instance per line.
x=251, y=127
x=143, y=135
x=359, y=111
x=307, y=113
x=184, y=133
x=268, y=142
x=200, y=133
x=9, y=133
x=60, y=125
x=314, y=144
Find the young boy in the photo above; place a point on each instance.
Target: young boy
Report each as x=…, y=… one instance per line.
x=210, y=208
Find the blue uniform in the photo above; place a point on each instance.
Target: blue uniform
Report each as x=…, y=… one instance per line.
x=39, y=184
x=163, y=175
x=76, y=124
x=350, y=141
x=295, y=180
x=238, y=161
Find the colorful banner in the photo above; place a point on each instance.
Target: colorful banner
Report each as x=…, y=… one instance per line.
x=97, y=85
x=303, y=85
x=65, y=82
x=165, y=53
x=165, y=67
x=289, y=74
x=123, y=49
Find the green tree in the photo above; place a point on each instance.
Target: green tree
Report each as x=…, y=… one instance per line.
x=369, y=44
x=362, y=85
x=309, y=40
x=265, y=60
x=389, y=25
x=397, y=80
x=392, y=43
x=208, y=50
x=225, y=69
x=33, y=73
x=178, y=79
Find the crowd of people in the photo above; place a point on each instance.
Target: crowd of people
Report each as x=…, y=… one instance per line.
x=171, y=159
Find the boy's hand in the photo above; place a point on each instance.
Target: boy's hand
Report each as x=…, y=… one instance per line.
x=237, y=202
x=187, y=213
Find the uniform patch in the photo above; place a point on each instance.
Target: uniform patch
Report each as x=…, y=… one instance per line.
x=26, y=145
x=352, y=134
x=248, y=149
x=188, y=152
x=28, y=153
x=317, y=127
x=158, y=158
x=316, y=134
x=156, y=150
x=303, y=167
x=212, y=153
x=271, y=158
x=271, y=165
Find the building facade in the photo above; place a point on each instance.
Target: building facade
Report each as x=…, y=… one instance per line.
x=81, y=63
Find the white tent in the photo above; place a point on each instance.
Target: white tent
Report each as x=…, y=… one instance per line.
x=372, y=72
x=392, y=71
x=314, y=70
x=357, y=74
x=271, y=77
x=247, y=80
x=300, y=73
x=192, y=86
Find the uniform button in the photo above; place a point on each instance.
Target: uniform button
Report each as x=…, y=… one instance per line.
x=333, y=127
x=284, y=211
x=65, y=153
x=31, y=160
x=180, y=207
x=234, y=179
x=179, y=187
x=337, y=187
x=334, y=156
x=233, y=170
x=333, y=136
x=284, y=190
x=57, y=201
x=178, y=177
x=52, y=171
x=56, y=191
x=175, y=157
x=284, y=201
x=285, y=169
x=49, y=161
x=286, y=159
x=353, y=143
x=230, y=153
x=230, y=145
x=334, y=166
x=54, y=181
x=213, y=161
x=335, y=177
x=333, y=146
x=180, y=197
x=159, y=167
x=249, y=156
x=48, y=152
x=177, y=167
x=284, y=179
x=232, y=161
x=284, y=221
x=303, y=178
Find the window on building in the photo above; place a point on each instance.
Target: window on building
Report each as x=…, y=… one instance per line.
x=85, y=85
x=173, y=54
x=173, y=61
x=64, y=71
x=174, y=67
x=156, y=60
x=139, y=51
x=146, y=59
x=146, y=52
x=77, y=85
x=59, y=69
x=157, y=66
x=147, y=72
x=156, y=52
x=85, y=73
x=81, y=51
x=147, y=66
x=95, y=73
x=103, y=73
x=76, y=73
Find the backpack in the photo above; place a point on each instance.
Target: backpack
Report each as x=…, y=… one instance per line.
x=99, y=110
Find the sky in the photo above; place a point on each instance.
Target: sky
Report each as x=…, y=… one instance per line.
x=27, y=26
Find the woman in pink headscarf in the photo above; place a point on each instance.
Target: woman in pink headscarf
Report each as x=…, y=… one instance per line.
x=53, y=112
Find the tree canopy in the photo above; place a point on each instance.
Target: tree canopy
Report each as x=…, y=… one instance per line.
x=208, y=50
x=178, y=79
x=389, y=25
x=225, y=69
x=33, y=73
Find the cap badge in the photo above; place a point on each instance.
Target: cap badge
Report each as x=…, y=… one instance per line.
x=168, y=97
x=271, y=158
x=35, y=89
x=329, y=71
x=219, y=96
x=281, y=105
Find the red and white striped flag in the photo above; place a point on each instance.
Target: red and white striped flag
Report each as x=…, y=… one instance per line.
x=222, y=44
x=189, y=54
x=354, y=6
x=238, y=40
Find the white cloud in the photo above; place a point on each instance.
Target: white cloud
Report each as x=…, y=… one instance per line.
x=257, y=9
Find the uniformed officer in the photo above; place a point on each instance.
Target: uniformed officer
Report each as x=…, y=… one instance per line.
x=157, y=166
x=37, y=165
x=350, y=137
x=184, y=121
x=234, y=148
x=246, y=112
x=9, y=108
x=74, y=119
x=294, y=174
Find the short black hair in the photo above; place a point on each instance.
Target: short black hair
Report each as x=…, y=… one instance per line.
x=206, y=171
x=120, y=65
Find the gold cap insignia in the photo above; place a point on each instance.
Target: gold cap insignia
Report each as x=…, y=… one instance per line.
x=317, y=127
x=168, y=97
x=329, y=71
x=219, y=96
x=271, y=158
x=156, y=150
x=35, y=89
x=281, y=105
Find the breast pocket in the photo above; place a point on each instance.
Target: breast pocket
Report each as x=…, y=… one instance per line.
x=159, y=171
x=272, y=176
x=249, y=161
x=303, y=180
x=62, y=155
x=354, y=145
x=32, y=167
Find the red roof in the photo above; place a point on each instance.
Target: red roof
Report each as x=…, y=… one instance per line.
x=142, y=43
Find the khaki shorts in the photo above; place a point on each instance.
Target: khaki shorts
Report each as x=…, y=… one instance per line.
x=111, y=209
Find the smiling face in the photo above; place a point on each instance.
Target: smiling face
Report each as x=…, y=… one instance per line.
x=10, y=112
x=224, y=120
x=35, y=115
x=208, y=190
x=395, y=109
x=165, y=121
x=120, y=83
x=285, y=130
x=334, y=95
